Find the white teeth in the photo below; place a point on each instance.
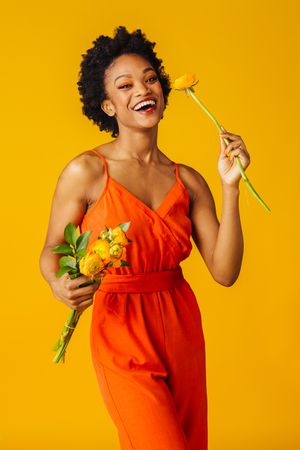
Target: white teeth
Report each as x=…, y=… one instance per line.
x=147, y=102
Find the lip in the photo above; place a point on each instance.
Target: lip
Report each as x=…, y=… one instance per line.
x=150, y=111
x=144, y=99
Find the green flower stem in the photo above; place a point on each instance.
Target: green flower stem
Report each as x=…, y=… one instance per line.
x=190, y=91
x=64, y=339
x=62, y=343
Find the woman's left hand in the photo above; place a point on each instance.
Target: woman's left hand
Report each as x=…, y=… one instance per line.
x=228, y=169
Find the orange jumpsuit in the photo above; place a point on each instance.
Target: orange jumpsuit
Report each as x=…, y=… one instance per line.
x=146, y=335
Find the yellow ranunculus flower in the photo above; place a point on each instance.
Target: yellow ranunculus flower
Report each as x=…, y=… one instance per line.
x=119, y=236
x=104, y=234
x=187, y=80
x=116, y=250
x=117, y=261
x=90, y=264
x=102, y=247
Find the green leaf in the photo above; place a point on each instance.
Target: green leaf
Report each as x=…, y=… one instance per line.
x=80, y=253
x=61, y=271
x=70, y=233
x=74, y=274
x=82, y=241
x=63, y=248
x=86, y=283
x=124, y=263
x=67, y=261
x=125, y=226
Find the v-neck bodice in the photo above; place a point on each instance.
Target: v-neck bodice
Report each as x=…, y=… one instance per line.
x=161, y=237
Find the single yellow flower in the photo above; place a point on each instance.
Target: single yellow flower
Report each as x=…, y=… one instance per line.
x=102, y=247
x=116, y=250
x=90, y=264
x=117, y=261
x=119, y=236
x=185, y=81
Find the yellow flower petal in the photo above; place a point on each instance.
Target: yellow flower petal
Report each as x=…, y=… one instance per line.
x=185, y=81
x=90, y=264
x=101, y=246
x=116, y=262
x=118, y=236
x=116, y=250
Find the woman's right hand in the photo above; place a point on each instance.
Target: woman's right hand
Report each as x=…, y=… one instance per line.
x=67, y=291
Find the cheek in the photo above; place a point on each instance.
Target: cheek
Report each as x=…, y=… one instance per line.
x=121, y=101
x=161, y=96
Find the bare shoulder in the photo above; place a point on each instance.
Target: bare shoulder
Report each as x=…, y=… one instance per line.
x=76, y=177
x=71, y=194
x=82, y=167
x=195, y=183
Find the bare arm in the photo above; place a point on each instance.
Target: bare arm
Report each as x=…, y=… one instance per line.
x=219, y=243
x=68, y=205
x=229, y=248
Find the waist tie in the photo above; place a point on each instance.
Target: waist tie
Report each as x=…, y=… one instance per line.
x=142, y=282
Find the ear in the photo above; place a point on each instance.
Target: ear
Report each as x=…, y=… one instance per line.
x=108, y=107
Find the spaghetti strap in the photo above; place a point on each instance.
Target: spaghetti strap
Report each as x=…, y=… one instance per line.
x=104, y=161
x=176, y=170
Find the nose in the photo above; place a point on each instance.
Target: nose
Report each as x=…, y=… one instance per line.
x=143, y=90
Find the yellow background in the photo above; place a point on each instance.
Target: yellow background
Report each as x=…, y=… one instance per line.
x=247, y=60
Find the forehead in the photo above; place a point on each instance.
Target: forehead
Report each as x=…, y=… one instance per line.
x=129, y=64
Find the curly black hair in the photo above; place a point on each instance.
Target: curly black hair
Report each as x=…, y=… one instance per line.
x=99, y=57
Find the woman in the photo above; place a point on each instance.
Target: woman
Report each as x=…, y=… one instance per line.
x=147, y=340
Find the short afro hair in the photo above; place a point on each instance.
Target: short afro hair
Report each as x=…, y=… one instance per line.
x=98, y=58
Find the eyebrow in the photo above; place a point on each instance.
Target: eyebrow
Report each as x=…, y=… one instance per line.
x=128, y=74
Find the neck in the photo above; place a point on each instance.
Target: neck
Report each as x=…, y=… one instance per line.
x=140, y=145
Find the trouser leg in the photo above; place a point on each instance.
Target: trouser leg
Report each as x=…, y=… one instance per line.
x=142, y=409
x=186, y=362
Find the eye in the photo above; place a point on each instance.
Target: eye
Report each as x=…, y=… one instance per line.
x=124, y=85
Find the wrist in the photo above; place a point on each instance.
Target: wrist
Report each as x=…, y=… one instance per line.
x=231, y=188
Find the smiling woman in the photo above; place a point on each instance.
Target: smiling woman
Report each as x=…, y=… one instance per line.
x=98, y=61
x=146, y=336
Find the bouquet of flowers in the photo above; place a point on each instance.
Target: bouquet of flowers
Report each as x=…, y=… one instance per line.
x=186, y=83
x=108, y=250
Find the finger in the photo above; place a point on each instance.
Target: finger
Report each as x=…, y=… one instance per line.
x=81, y=292
x=239, y=153
x=236, y=152
x=230, y=135
x=77, y=301
x=84, y=305
x=222, y=147
x=73, y=284
x=232, y=146
x=67, y=278
x=86, y=290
